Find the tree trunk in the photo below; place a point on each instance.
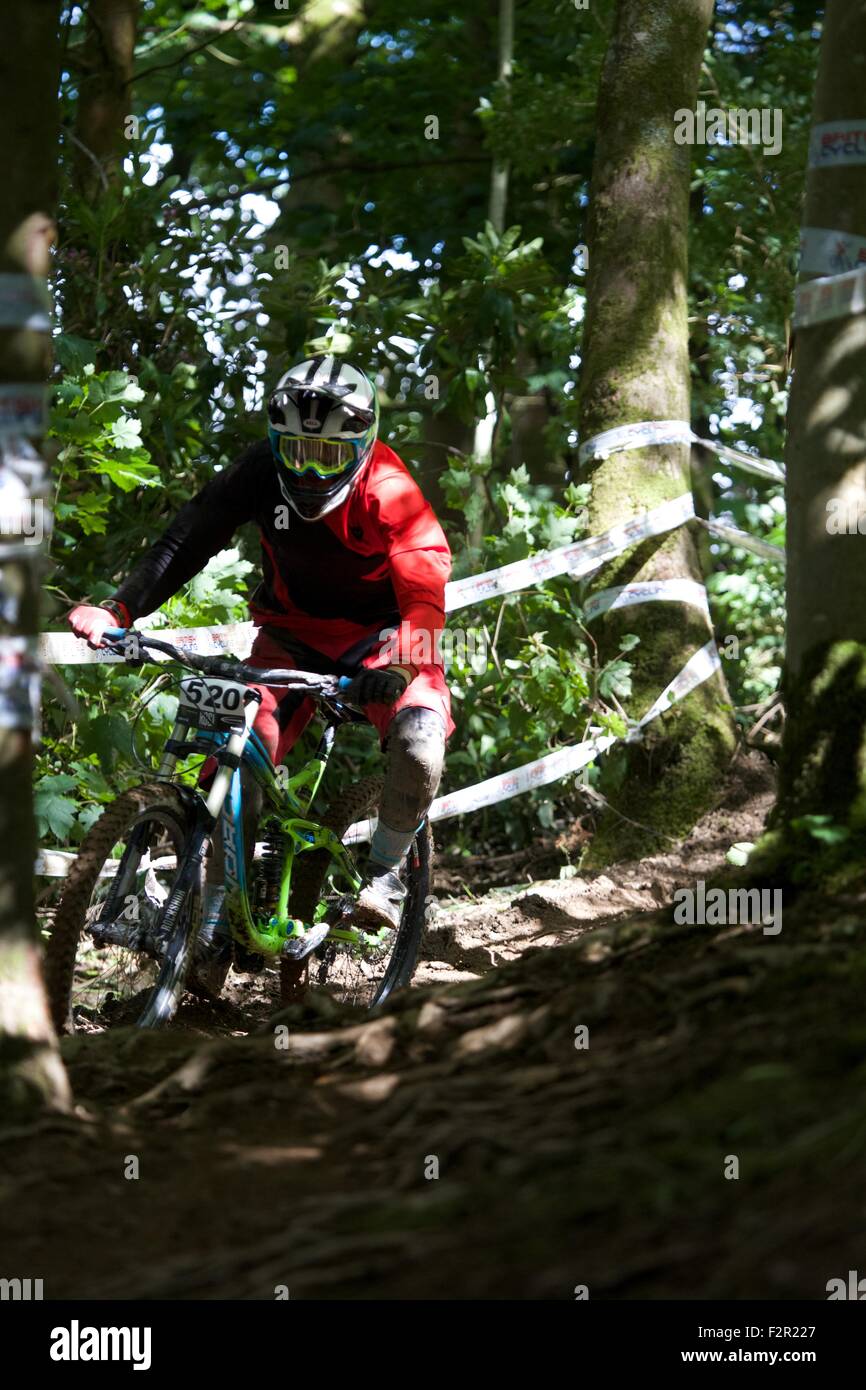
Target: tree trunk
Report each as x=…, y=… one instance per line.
x=823, y=767
x=636, y=368
x=32, y=1077
x=104, y=94
x=499, y=172
x=485, y=428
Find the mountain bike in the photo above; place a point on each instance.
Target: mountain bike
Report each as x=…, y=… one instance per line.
x=125, y=930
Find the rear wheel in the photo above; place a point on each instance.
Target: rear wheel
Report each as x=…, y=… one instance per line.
x=119, y=947
x=363, y=975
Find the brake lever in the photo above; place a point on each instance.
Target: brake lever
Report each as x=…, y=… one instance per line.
x=123, y=642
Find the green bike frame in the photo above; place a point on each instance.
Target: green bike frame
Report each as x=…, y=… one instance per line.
x=287, y=803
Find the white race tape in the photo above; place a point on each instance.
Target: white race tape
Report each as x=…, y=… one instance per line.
x=824, y=252
x=697, y=669
x=234, y=639
x=22, y=408
x=649, y=432
x=652, y=591
x=831, y=297
x=750, y=463
x=636, y=436
x=56, y=863
x=836, y=143
x=554, y=766
x=24, y=302
x=19, y=683
x=579, y=558
x=734, y=536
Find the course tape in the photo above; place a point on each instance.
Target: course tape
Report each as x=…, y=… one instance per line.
x=830, y=297
x=22, y=408
x=837, y=143
x=24, y=302
x=637, y=436
x=224, y=639
x=579, y=558
x=19, y=683
x=651, y=591
x=825, y=252
x=564, y=761
x=734, y=536
x=646, y=433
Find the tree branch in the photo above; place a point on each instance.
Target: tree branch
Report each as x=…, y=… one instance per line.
x=182, y=57
x=263, y=185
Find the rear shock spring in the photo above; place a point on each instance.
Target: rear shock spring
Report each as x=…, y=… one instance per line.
x=271, y=871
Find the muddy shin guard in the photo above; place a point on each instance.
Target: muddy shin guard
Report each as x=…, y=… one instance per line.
x=416, y=752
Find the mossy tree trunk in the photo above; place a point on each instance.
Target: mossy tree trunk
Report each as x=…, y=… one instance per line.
x=486, y=428
x=823, y=765
x=32, y=1077
x=636, y=368
x=104, y=92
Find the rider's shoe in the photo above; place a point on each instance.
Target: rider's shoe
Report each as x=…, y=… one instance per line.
x=380, y=901
x=212, y=953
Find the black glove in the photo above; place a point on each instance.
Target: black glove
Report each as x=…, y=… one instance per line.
x=380, y=687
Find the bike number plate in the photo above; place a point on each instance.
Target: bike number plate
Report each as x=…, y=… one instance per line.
x=211, y=704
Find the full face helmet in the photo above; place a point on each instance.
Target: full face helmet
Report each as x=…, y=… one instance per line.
x=323, y=417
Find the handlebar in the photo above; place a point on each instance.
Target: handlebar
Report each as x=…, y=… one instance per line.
x=226, y=668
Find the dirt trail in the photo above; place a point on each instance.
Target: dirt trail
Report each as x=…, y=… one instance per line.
x=461, y=1145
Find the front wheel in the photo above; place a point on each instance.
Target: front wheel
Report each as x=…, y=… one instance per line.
x=120, y=945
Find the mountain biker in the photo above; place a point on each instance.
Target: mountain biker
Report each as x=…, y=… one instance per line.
x=354, y=566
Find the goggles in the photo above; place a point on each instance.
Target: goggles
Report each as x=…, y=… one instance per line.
x=322, y=458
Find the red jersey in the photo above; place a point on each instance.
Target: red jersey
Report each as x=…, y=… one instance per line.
x=380, y=560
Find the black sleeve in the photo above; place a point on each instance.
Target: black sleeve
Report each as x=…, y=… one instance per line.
x=199, y=531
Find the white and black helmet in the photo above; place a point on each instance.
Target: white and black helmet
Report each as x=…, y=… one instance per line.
x=323, y=418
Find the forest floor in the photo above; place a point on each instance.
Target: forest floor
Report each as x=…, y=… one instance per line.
x=461, y=1144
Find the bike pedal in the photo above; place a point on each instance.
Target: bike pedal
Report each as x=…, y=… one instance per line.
x=299, y=947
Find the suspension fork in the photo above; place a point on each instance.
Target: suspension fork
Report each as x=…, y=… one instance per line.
x=208, y=811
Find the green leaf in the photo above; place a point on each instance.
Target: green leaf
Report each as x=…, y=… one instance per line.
x=108, y=736
x=74, y=353
x=128, y=474
x=55, y=813
x=615, y=679
x=822, y=828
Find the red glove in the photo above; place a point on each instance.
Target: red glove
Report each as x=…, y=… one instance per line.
x=90, y=623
